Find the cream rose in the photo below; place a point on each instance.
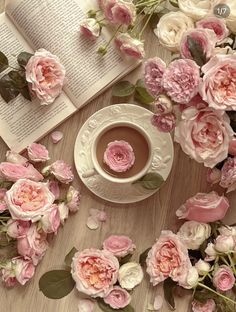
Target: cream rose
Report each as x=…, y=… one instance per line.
x=196, y=9
x=130, y=275
x=171, y=28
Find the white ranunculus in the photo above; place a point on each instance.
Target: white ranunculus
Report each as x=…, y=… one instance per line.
x=130, y=275
x=192, y=278
x=193, y=234
x=225, y=243
x=171, y=28
x=202, y=267
x=211, y=252
x=196, y=9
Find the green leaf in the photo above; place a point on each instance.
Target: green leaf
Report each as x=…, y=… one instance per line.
x=8, y=90
x=123, y=89
x=69, y=256
x=26, y=93
x=56, y=284
x=143, y=257
x=151, y=181
x=174, y=3
x=125, y=259
x=3, y=62
x=23, y=58
x=141, y=94
x=106, y=308
x=168, y=287
x=196, y=51
x=18, y=79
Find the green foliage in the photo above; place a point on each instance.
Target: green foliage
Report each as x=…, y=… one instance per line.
x=3, y=62
x=169, y=287
x=143, y=257
x=151, y=181
x=196, y=51
x=123, y=89
x=69, y=256
x=23, y=58
x=141, y=94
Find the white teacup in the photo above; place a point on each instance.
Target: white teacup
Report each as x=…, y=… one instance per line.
x=97, y=169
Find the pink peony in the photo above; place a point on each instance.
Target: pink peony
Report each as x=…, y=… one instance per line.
x=164, y=122
x=204, y=207
x=228, y=174
x=28, y=200
x=181, y=80
x=101, y=268
x=204, y=135
x=17, y=228
x=118, y=245
x=208, y=306
x=118, y=298
x=130, y=46
x=223, y=278
x=168, y=258
x=218, y=87
x=62, y=171
x=15, y=158
x=232, y=147
x=45, y=75
x=213, y=175
x=153, y=73
x=73, y=198
x=54, y=188
x=24, y=269
x=37, y=152
x=51, y=221
x=13, y=172
x=119, y=156
x=3, y=205
x=90, y=28
x=206, y=38
x=8, y=275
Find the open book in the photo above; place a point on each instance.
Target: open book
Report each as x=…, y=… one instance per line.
x=28, y=25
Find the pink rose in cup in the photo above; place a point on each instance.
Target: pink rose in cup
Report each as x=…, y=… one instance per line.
x=73, y=198
x=204, y=207
x=168, y=258
x=164, y=122
x=13, y=172
x=24, y=269
x=119, y=156
x=208, y=306
x=153, y=73
x=17, y=228
x=28, y=200
x=37, y=152
x=129, y=46
x=45, y=75
x=228, y=174
x=90, y=28
x=3, y=205
x=61, y=171
x=101, y=268
x=223, y=278
x=118, y=298
x=119, y=245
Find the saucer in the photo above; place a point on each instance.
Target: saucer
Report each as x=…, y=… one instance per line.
x=163, y=152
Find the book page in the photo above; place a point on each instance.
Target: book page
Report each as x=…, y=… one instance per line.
x=23, y=122
x=54, y=25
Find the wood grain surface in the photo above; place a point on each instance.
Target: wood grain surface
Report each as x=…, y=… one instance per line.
x=142, y=221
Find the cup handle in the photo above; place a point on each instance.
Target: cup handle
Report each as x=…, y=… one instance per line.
x=89, y=173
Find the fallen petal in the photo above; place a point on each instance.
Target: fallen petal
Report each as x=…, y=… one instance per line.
x=92, y=223
x=100, y=215
x=150, y=307
x=56, y=136
x=86, y=305
x=158, y=302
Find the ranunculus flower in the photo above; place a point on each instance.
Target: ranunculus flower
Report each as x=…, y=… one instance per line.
x=208, y=306
x=130, y=46
x=3, y=205
x=196, y=9
x=232, y=147
x=120, y=12
x=24, y=269
x=213, y=175
x=73, y=198
x=61, y=171
x=204, y=135
x=163, y=105
x=51, y=221
x=130, y=275
x=15, y=158
x=181, y=80
x=54, y=188
x=210, y=252
x=119, y=245
x=171, y=28
x=193, y=234
x=90, y=28
x=37, y=152
x=225, y=243
x=223, y=278
x=63, y=211
x=206, y=38
x=218, y=87
x=28, y=200
x=228, y=174
x=202, y=267
x=227, y=230
x=218, y=25
x=154, y=69
x=164, y=122
x=33, y=245
x=101, y=268
x=119, y=156
x=13, y=172
x=204, y=207
x=118, y=298
x=192, y=279
x=45, y=75
x=168, y=258
x=17, y=228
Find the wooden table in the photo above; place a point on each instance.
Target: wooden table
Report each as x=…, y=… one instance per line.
x=142, y=221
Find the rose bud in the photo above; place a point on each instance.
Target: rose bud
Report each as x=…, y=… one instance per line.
x=202, y=267
x=224, y=243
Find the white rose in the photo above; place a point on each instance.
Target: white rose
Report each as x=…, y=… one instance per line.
x=196, y=9
x=227, y=230
x=130, y=275
x=63, y=211
x=192, y=278
x=202, y=267
x=171, y=28
x=211, y=252
x=193, y=234
x=224, y=243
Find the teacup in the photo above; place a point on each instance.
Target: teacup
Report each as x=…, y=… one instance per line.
x=122, y=129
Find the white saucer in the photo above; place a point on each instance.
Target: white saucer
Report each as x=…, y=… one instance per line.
x=162, y=155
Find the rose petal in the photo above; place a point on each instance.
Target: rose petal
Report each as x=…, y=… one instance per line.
x=158, y=302
x=100, y=215
x=56, y=136
x=92, y=223
x=86, y=305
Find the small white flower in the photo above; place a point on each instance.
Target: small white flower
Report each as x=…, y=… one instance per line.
x=192, y=278
x=224, y=243
x=130, y=275
x=202, y=267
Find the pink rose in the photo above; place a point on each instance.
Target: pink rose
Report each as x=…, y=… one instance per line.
x=118, y=298
x=101, y=268
x=45, y=75
x=164, y=122
x=24, y=270
x=118, y=245
x=213, y=175
x=37, y=152
x=196, y=102
x=119, y=11
x=163, y=105
x=168, y=258
x=204, y=208
x=232, y=147
x=204, y=135
x=181, y=80
x=54, y=188
x=28, y=200
x=51, y=221
x=228, y=174
x=90, y=28
x=15, y=158
x=17, y=228
x=218, y=25
x=3, y=205
x=223, y=278
x=62, y=171
x=119, y=156
x=8, y=275
x=13, y=172
x=73, y=198
x=206, y=38
x=130, y=46
x=33, y=245
x=218, y=87
x=208, y=306
x=153, y=73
